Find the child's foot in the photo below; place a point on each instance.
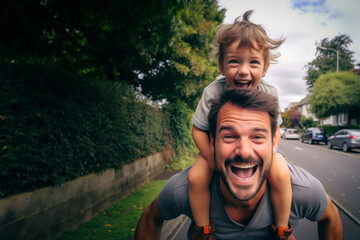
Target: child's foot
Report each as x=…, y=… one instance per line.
x=204, y=233
x=282, y=233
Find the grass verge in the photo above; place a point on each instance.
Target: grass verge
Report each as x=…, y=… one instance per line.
x=119, y=221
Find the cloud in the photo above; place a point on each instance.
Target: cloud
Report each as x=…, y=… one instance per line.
x=310, y=5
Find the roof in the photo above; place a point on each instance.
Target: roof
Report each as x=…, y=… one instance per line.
x=355, y=71
x=304, y=101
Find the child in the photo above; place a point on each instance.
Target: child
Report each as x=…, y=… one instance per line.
x=243, y=51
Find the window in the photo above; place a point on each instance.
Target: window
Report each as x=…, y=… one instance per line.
x=340, y=133
x=342, y=118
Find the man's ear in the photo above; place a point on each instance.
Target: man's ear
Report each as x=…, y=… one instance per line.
x=276, y=140
x=212, y=144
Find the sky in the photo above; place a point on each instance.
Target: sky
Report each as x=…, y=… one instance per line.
x=302, y=23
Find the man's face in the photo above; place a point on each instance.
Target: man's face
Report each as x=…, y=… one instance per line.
x=243, y=67
x=243, y=150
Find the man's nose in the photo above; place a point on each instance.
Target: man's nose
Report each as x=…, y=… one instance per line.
x=243, y=148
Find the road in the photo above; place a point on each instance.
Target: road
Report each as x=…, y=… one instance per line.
x=337, y=171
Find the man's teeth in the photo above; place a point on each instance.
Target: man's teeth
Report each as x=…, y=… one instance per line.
x=244, y=166
x=244, y=171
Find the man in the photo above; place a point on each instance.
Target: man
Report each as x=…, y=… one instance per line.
x=244, y=139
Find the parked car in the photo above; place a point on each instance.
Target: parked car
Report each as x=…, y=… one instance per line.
x=282, y=131
x=314, y=135
x=347, y=139
x=291, y=133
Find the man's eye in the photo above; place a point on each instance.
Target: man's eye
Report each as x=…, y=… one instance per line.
x=229, y=136
x=258, y=137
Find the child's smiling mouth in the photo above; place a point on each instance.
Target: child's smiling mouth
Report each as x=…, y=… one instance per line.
x=243, y=84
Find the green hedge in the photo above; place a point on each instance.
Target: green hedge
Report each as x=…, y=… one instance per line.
x=54, y=127
x=180, y=122
x=330, y=130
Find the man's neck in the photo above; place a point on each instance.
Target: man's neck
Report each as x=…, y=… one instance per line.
x=241, y=211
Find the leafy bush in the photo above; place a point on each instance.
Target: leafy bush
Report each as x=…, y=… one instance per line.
x=330, y=130
x=180, y=123
x=307, y=122
x=54, y=127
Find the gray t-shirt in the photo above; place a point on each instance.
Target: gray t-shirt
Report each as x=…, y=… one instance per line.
x=213, y=92
x=309, y=200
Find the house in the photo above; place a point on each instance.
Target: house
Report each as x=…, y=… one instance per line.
x=349, y=118
x=341, y=119
x=304, y=108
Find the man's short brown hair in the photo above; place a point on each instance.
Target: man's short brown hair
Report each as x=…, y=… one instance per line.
x=249, y=99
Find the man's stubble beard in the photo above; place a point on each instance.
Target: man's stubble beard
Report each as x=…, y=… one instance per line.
x=222, y=174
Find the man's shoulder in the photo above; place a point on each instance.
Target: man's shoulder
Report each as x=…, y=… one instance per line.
x=173, y=198
x=299, y=176
x=308, y=195
x=180, y=179
x=305, y=186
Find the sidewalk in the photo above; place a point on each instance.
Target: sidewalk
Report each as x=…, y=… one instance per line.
x=165, y=175
x=171, y=228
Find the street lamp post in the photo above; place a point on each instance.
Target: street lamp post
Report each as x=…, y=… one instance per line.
x=337, y=56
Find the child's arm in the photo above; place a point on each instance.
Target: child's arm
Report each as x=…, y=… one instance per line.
x=199, y=179
x=202, y=141
x=280, y=188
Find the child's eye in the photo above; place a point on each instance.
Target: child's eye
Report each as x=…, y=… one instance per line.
x=255, y=62
x=233, y=61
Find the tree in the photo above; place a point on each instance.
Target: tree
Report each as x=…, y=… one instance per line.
x=107, y=38
x=307, y=122
x=159, y=46
x=187, y=69
x=291, y=118
x=325, y=60
x=335, y=93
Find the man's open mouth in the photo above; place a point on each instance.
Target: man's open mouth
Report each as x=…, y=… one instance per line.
x=244, y=172
x=242, y=83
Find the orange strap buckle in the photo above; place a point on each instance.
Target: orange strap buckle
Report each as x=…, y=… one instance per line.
x=281, y=231
x=207, y=229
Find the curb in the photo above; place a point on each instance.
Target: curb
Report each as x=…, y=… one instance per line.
x=342, y=208
x=171, y=228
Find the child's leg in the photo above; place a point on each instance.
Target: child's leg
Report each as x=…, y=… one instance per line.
x=199, y=194
x=280, y=190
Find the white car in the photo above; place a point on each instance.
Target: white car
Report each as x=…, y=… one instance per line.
x=291, y=133
x=282, y=131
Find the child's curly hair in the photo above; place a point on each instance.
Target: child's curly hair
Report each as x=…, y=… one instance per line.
x=250, y=35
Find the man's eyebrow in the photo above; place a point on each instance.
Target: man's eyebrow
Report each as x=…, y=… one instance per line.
x=256, y=129
x=225, y=128
x=260, y=129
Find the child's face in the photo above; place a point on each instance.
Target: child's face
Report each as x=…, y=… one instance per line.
x=243, y=67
